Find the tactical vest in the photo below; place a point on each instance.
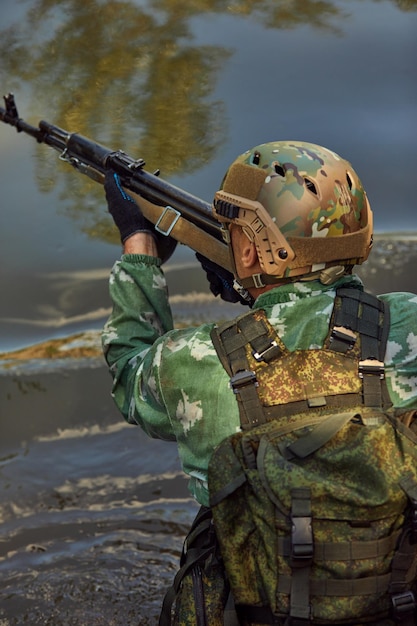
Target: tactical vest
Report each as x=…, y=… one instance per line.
x=315, y=500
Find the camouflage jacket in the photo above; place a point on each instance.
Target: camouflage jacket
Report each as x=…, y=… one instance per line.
x=171, y=382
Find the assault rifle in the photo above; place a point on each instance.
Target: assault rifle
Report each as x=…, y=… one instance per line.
x=174, y=212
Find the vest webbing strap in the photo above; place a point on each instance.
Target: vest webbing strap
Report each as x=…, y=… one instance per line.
x=230, y=341
x=345, y=551
x=344, y=587
x=341, y=401
x=365, y=314
x=301, y=554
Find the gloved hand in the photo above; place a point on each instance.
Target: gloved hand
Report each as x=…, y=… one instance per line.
x=129, y=218
x=124, y=210
x=221, y=281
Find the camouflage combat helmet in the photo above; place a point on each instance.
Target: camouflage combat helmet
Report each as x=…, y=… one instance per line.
x=303, y=207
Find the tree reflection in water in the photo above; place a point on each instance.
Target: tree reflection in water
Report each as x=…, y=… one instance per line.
x=131, y=77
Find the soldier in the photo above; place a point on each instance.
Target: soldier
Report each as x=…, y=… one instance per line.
x=297, y=220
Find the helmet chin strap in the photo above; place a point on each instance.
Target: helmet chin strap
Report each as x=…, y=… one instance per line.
x=327, y=276
x=237, y=282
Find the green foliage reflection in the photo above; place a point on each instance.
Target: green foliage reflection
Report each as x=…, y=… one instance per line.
x=130, y=76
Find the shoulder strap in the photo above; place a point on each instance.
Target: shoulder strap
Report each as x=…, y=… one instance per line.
x=403, y=568
x=199, y=545
x=230, y=341
x=359, y=313
x=365, y=313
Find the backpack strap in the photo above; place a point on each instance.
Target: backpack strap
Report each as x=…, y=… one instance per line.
x=404, y=563
x=199, y=545
x=301, y=560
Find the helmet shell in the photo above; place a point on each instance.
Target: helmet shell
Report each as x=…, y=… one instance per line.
x=309, y=192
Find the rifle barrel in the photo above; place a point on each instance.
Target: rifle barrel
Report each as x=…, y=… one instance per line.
x=80, y=151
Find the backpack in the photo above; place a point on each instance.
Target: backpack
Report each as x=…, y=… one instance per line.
x=314, y=501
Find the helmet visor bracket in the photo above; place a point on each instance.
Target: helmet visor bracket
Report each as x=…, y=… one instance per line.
x=274, y=252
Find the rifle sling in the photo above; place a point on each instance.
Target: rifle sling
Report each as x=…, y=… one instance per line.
x=184, y=231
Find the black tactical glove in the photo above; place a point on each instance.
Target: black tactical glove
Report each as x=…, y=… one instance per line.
x=221, y=281
x=124, y=210
x=129, y=218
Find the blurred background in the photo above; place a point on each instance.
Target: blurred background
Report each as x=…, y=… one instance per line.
x=92, y=514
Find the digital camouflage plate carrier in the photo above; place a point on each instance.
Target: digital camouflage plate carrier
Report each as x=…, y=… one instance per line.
x=315, y=501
